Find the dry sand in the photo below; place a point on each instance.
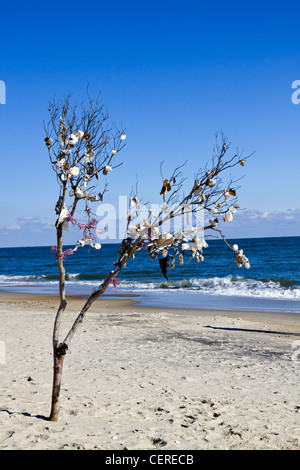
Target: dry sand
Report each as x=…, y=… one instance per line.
x=145, y=378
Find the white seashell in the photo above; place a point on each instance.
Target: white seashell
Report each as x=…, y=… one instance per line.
x=79, y=192
x=167, y=235
x=74, y=171
x=108, y=168
x=213, y=222
x=97, y=246
x=227, y=196
x=88, y=157
x=214, y=210
x=123, y=137
x=185, y=246
x=63, y=215
x=72, y=139
x=65, y=225
x=79, y=134
x=228, y=217
x=247, y=264
x=63, y=177
x=71, y=193
x=235, y=247
x=61, y=162
x=113, y=152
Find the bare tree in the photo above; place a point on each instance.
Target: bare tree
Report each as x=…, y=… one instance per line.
x=79, y=152
x=208, y=195
x=81, y=148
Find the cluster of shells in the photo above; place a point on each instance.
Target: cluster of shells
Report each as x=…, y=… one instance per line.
x=79, y=170
x=240, y=258
x=166, y=246
x=82, y=167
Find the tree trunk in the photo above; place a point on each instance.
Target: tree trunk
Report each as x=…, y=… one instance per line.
x=57, y=377
x=59, y=350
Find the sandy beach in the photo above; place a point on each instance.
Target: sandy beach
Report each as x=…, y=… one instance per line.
x=149, y=378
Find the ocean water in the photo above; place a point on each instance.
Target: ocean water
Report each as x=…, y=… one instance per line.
x=272, y=283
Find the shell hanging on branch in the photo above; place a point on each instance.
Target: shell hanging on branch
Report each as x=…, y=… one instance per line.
x=228, y=217
x=74, y=171
x=79, y=134
x=166, y=187
x=164, y=240
x=88, y=155
x=90, y=168
x=107, y=169
x=79, y=193
x=213, y=222
x=48, y=141
x=72, y=140
x=211, y=183
x=86, y=137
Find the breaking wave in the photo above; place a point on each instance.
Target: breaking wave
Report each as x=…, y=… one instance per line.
x=226, y=286
x=230, y=286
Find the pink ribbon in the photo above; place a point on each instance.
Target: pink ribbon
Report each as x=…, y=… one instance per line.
x=62, y=255
x=88, y=227
x=91, y=226
x=71, y=219
x=116, y=282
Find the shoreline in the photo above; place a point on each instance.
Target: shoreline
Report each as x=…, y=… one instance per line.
x=128, y=302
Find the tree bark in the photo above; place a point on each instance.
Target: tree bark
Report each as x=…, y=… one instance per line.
x=58, y=350
x=57, y=376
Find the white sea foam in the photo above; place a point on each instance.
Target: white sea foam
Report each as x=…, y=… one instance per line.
x=72, y=275
x=225, y=286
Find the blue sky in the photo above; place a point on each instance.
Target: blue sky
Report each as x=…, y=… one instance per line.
x=173, y=74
